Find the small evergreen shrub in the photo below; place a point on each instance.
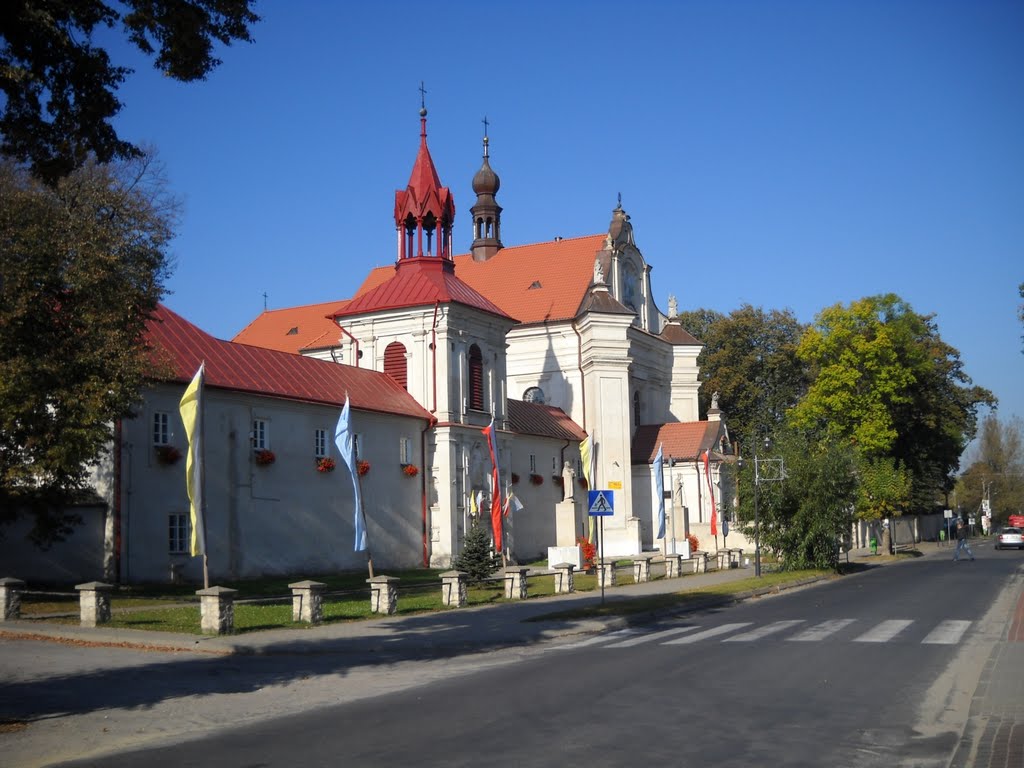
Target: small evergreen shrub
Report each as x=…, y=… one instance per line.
x=476, y=559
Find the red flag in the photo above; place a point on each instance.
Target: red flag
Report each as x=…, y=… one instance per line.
x=711, y=491
x=495, y=487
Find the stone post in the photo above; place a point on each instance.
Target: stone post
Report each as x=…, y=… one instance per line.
x=94, y=603
x=217, y=610
x=606, y=573
x=641, y=569
x=453, y=589
x=673, y=566
x=10, y=597
x=515, y=583
x=383, y=594
x=308, y=601
x=564, y=581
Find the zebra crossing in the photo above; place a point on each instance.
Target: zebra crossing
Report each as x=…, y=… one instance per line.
x=947, y=632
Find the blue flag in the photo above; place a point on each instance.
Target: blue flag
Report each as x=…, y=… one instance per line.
x=345, y=440
x=659, y=488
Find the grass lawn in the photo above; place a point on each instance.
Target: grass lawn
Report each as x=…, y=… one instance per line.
x=347, y=599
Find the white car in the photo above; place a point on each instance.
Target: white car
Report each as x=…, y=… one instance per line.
x=1010, y=537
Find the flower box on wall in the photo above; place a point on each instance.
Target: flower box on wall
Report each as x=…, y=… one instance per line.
x=325, y=464
x=583, y=483
x=515, y=478
x=536, y=480
x=167, y=455
x=264, y=457
x=362, y=467
x=410, y=470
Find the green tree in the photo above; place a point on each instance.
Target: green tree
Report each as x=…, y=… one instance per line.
x=995, y=467
x=883, y=488
x=60, y=87
x=750, y=360
x=83, y=265
x=883, y=379
x=802, y=517
x=476, y=559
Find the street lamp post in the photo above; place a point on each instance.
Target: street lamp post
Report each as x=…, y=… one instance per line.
x=768, y=471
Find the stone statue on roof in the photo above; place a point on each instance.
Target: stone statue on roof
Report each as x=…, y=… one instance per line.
x=598, y=272
x=673, y=307
x=714, y=400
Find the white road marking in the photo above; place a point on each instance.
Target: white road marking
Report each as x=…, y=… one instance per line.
x=947, y=633
x=821, y=631
x=715, y=632
x=884, y=632
x=651, y=637
x=768, y=629
x=598, y=639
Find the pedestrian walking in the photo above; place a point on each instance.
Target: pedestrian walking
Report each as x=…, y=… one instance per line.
x=961, y=540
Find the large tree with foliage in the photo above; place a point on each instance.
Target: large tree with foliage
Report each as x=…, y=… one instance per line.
x=995, y=468
x=750, y=360
x=83, y=265
x=61, y=88
x=884, y=380
x=803, y=512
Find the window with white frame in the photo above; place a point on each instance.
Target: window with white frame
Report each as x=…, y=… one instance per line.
x=260, y=434
x=533, y=463
x=179, y=533
x=161, y=428
x=404, y=450
x=320, y=443
x=357, y=440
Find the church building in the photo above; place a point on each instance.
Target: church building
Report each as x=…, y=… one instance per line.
x=554, y=343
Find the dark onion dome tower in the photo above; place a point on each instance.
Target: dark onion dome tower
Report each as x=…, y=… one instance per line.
x=486, y=212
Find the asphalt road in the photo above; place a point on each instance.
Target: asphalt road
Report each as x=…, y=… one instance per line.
x=874, y=670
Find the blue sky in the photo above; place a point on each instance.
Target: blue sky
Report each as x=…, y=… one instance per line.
x=784, y=154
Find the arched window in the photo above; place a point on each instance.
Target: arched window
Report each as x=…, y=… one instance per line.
x=534, y=395
x=476, y=378
x=395, y=364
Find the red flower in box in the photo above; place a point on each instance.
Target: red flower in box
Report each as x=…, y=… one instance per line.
x=589, y=551
x=536, y=479
x=362, y=467
x=410, y=470
x=583, y=482
x=515, y=478
x=264, y=457
x=326, y=464
x=167, y=454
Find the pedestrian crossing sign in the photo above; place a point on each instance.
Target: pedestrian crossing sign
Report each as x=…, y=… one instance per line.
x=601, y=503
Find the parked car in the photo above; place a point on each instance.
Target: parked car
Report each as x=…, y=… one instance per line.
x=1010, y=537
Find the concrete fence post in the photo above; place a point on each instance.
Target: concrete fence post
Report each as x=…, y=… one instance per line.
x=383, y=594
x=308, y=601
x=515, y=583
x=453, y=589
x=606, y=573
x=217, y=610
x=10, y=597
x=94, y=603
x=564, y=580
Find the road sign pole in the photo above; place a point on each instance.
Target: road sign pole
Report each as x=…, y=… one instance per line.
x=600, y=541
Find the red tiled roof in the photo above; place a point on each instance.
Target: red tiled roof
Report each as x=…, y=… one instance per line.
x=293, y=328
x=178, y=347
x=532, y=283
x=680, y=440
x=678, y=336
x=542, y=420
x=418, y=282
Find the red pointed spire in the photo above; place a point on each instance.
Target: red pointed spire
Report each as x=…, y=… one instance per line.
x=424, y=210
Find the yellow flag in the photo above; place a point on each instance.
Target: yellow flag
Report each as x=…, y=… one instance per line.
x=191, y=409
x=586, y=459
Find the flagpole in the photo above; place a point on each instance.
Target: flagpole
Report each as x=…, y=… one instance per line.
x=202, y=475
x=366, y=532
x=671, y=491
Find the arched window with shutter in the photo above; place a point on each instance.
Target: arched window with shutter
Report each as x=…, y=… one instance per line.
x=476, y=378
x=395, y=364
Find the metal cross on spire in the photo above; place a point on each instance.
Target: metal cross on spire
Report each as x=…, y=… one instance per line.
x=486, y=123
x=423, y=96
